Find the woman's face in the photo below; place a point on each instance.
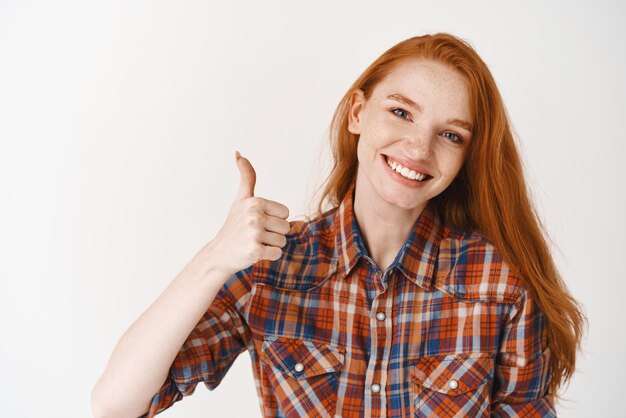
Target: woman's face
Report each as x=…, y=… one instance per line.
x=427, y=136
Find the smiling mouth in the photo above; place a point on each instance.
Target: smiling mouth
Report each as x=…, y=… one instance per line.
x=406, y=172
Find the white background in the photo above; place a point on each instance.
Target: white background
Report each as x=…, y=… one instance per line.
x=118, y=127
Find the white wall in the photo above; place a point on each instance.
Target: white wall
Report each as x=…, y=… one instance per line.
x=118, y=126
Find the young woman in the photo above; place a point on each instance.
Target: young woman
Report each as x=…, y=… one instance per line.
x=427, y=289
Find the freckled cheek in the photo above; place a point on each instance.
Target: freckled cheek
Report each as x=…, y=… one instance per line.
x=456, y=170
x=380, y=133
x=383, y=125
x=450, y=166
x=365, y=153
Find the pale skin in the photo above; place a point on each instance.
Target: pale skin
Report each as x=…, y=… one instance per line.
x=256, y=227
x=254, y=230
x=384, y=207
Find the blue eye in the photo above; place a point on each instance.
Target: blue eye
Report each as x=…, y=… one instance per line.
x=401, y=110
x=455, y=138
x=458, y=138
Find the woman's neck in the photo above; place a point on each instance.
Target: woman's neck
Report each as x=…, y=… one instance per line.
x=384, y=226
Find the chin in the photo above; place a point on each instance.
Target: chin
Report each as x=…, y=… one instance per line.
x=402, y=199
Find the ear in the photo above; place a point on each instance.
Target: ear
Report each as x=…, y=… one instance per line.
x=357, y=101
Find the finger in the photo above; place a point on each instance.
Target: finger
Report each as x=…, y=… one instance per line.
x=276, y=224
x=248, y=177
x=273, y=239
x=273, y=208
x=271, y=253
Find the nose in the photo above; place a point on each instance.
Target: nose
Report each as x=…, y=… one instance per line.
x=422, y=140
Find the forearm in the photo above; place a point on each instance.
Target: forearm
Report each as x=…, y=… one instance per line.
x=140, y=362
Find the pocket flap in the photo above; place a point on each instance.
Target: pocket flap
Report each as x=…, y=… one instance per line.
x=301, y=358
x=453, y=373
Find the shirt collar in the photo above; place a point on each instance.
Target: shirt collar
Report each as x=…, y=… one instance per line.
x=416, y=258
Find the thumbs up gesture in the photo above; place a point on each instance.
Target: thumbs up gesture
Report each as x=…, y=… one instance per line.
x=255, y=228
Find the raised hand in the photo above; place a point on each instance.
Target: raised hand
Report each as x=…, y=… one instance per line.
x=255, y=228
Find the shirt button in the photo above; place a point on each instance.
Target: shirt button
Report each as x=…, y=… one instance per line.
x=375, y=388
x=453, y=384
x=380, y=316
x=299, y=367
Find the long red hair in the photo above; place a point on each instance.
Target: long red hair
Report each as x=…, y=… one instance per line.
x=489, y=195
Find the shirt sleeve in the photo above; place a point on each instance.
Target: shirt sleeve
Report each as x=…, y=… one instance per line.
x=523, y=364
x=212, y=346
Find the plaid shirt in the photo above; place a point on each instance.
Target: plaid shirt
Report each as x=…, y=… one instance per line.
x=446, y=330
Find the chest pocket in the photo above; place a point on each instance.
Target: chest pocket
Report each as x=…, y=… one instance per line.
x=452, y=385
x=303, y=373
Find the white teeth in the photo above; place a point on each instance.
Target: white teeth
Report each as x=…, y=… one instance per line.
x=406, y=172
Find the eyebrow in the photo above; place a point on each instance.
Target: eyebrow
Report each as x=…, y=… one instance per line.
x=403, y=99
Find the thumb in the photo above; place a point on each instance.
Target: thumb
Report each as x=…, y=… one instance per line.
x=248, y=177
